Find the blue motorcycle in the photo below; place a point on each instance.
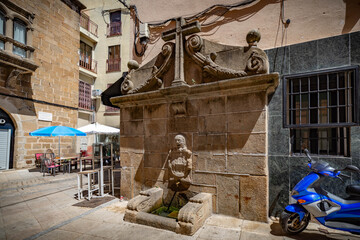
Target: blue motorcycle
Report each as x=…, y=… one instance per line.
x=312, y=200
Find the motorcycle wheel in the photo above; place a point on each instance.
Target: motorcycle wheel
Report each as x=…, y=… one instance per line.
x=291, y=224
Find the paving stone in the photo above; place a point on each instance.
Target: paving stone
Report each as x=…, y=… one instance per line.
x=60, y=234
x=224, y=221
x=217, y=233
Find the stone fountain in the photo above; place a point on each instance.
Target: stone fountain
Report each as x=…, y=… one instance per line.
x=191, y=216
x=193, y=131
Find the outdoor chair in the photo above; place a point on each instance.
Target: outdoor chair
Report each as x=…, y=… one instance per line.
x=38, y=157
x=48, y=163
x=50, y=166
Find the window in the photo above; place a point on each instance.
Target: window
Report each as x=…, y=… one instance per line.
x=319, y=108
x=114, y=60
x=114, y=27
x=2, y=29
x=86, y=60
x=85, y=101
x=19, y=37
x=108, y=108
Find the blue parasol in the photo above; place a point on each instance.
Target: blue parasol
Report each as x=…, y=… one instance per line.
x=57, y=131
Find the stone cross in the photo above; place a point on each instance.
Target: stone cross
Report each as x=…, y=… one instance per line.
x=178, y=33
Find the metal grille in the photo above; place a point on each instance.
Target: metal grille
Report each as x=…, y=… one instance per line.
x=319, y=108
x=323, y=99
x=85, y=101
x=322, y=141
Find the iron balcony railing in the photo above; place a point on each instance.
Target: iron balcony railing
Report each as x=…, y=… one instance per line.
x=113, y=65
x=89, y=25
x=114, y=29
x=88, y=63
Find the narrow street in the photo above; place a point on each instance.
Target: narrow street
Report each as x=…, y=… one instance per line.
x=37, y=207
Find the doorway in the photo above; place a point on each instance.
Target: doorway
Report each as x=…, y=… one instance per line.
x=7, y=131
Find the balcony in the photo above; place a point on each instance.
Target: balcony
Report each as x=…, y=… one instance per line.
x=114, y=29
x=88, y=63
x=89, y=25
x=113, y=65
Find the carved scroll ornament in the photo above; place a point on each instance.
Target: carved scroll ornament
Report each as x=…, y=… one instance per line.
x=257, y=63
x=155, y=81
x=193, y=47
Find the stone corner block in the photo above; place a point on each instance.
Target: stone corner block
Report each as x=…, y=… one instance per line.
x=193, y=215
x=147, y=201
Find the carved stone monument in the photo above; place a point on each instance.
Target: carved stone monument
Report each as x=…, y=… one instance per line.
x=180, y=165
x=191, y=216
x=214, y=97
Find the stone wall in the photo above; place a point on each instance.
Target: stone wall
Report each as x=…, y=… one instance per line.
x=55, y=38
x=225, y=126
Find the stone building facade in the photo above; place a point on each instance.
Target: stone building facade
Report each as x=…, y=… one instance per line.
x=38, y=76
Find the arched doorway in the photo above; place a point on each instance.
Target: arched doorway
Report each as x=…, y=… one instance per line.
x=7, y=133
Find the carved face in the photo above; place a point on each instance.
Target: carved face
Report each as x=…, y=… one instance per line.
x=180, y=141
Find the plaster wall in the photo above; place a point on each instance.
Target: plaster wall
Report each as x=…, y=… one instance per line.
x=310, y=20
x=99, y=12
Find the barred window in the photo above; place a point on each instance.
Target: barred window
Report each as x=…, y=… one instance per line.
x=85, y=100
x=319, y=108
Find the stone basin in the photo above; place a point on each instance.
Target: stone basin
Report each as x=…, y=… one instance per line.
x=191, y=216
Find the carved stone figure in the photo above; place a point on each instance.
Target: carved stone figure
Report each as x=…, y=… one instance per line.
x=12, y=78
x=180, y=165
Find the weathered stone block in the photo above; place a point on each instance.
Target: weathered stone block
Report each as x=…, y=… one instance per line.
x=156, y=144
x=215, y=163
x=156, y=111
x=132, y=144
x=243, y=164
x=199, y=163
x=246, y=122
x=131, y=113
x=127, y=183
x=154, y=174
x=155, y=160
x=204, y=178
x=131, y=128
x=214, y=105
x=183, y=124
x=244, y=102
x=247, y=143
x=228, y=195
x=155, y=127
x=212, y=124
x=210, y=162
x=254, y=198
x=210, y=143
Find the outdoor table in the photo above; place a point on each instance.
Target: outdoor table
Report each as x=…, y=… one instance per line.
x=62, y=161
x=90, y=186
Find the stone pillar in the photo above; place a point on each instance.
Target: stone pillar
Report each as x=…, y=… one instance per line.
x=29, y=42
x=9, y=33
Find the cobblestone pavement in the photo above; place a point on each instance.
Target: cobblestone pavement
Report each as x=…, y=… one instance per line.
x=37, y=207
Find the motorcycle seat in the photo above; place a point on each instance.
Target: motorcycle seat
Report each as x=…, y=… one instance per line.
x=353, y=190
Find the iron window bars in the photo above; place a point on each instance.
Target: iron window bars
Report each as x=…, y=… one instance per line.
x=319, y=107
